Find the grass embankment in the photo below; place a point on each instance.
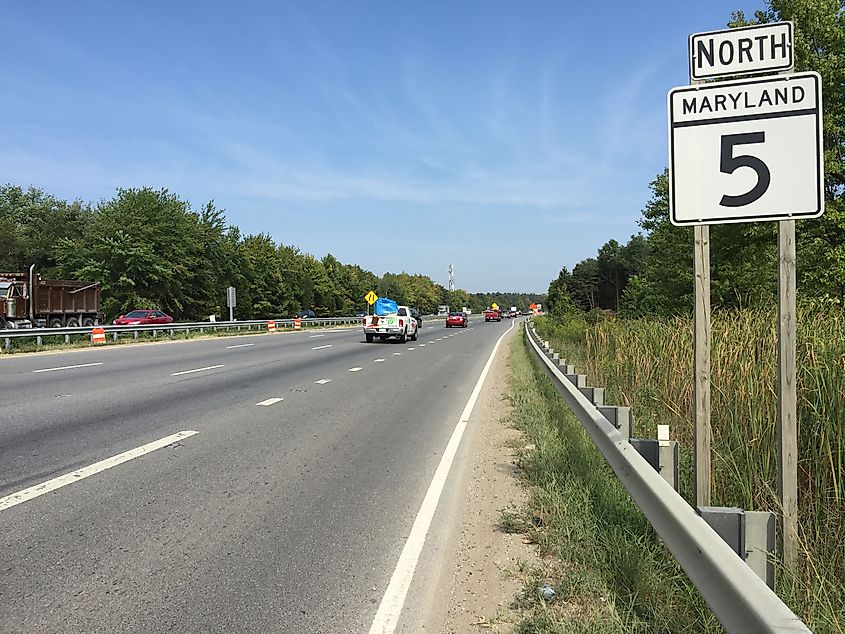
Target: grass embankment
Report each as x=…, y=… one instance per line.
x=598, y=552
x=648, y=364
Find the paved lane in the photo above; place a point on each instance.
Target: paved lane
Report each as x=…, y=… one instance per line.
x=288, y=516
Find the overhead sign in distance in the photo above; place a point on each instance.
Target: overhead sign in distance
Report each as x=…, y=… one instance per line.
x=370, y=298
x=746, y=50
x=744, y=151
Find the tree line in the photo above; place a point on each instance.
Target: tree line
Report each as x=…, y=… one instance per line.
x=148, y=249
x=652, y=273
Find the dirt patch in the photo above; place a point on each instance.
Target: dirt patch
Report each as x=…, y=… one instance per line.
x=485, y=570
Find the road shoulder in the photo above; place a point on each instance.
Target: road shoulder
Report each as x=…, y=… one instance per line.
x=477, y=584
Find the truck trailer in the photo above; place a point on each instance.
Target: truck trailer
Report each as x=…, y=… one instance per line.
x=28, y=301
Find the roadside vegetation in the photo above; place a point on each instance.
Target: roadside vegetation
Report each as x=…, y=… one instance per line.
x=647, y=364
x=148, y=249
x=598, y=553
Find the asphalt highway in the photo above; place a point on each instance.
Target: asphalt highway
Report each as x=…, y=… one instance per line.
x=283, y=508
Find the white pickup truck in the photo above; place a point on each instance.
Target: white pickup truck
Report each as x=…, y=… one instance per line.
x=399, y=324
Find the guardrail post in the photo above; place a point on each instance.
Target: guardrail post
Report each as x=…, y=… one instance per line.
x=649, y=449
x=38, y=341
x=136, y=334
x=594, y=394
x=155, y=332
x=619, y=416
x=67, y=338
x=761, y=544
x=669, y=456
x=114, y=335
x=8, y=343
x=578, y=380
x=729, y=524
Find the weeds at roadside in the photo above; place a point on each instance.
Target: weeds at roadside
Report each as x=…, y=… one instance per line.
x=608, y=571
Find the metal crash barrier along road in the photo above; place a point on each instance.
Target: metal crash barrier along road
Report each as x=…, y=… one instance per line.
x=741, y=601
x=116, y=331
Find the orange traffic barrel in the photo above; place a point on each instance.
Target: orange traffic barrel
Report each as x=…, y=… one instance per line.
x=271, y=326
x=297, y=324
x=98, y=335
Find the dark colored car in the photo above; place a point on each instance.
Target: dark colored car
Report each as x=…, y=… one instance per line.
x=361, y=313
x=416, y=315
x=306, y=314
x=513, y=313
x=142, y=318
x=456, y=319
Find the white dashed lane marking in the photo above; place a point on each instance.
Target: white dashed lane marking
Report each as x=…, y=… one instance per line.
x=322, y=381
x=66, y=367
x=378, y=360
x=355, y=369
x=240, y=345
x=80, y=474
x=313, y=336
x=270, y=401
x=211, y=367
x=321, y=347
x=396, y=354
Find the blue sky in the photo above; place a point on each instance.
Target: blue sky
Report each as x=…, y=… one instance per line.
x=508, y=138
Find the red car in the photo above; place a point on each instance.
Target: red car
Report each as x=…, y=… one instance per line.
x=143, y=317
x=456, y=319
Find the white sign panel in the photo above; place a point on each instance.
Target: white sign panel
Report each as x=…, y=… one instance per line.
x=231, y=297
x=741, y=51
x=745, y=151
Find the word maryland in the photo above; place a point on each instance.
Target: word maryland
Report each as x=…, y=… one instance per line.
x=741, y=99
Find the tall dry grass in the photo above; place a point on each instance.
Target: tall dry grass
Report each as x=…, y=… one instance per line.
x=648, y=364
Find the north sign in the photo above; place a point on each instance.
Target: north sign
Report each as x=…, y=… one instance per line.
x=745, y=151
x=745, y=50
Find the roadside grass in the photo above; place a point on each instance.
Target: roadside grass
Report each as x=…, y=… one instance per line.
x=647, y=364
x=53, y=343
x=597, y=551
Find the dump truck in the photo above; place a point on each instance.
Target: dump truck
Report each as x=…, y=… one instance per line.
x=28, y=301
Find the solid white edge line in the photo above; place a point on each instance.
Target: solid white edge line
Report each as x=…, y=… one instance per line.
x=240, y=345
x=270, y=401
x=321, y=347
x=210, y=367
x=67, y=367
x=393, y=600
x=75, y=476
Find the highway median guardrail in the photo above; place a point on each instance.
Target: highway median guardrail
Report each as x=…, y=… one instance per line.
x=737, y=595
x=115, y=332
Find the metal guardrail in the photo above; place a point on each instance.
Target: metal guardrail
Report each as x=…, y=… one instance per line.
x=738, y=597
x=115, y=331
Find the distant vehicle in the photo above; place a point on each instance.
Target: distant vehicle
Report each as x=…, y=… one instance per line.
x=143, y=318
x=491, y=314
x=27, y=301
x=513, y=313
x=525, y=313
x=361, y=313
x=306, y=314
x=457, y=320
x=416, y=315
x=399, y=324
x=442, y=311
